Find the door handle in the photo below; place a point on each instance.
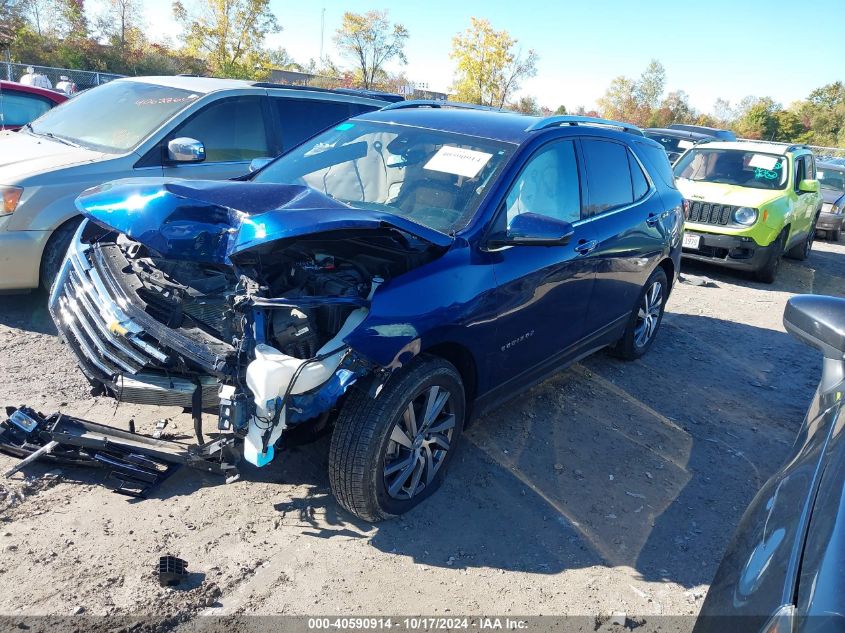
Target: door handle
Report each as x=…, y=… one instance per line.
x=585, y=248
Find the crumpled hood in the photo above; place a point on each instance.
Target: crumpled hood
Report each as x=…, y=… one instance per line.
x=726, y=194
x=210, y=221
x=23, y=154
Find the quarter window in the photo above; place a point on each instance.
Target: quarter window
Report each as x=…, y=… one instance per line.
x=608, y=175
x=548, y=185
x=638, y=179
x=232, y=130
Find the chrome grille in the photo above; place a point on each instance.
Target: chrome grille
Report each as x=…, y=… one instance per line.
x=109, y=345
x=81, y=305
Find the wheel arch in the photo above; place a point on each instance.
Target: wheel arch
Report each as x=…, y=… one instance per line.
x=73, y=223
x=668, y=267
x=464, y=361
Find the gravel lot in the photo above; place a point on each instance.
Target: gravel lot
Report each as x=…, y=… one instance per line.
x=611, y=487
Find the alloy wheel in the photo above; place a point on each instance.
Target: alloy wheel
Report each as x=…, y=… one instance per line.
x=419, y=442
x=648, y=314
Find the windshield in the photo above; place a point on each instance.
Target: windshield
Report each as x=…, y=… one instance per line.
x=114, y=117
x=433, y=178
x=734, y=167
x=672, y=144
x=831, y=179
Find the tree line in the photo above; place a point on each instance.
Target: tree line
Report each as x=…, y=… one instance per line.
x=227, y=38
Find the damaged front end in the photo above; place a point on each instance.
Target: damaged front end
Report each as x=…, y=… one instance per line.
x=229, y=297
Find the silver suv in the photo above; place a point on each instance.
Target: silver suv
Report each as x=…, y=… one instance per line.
x=185, y=127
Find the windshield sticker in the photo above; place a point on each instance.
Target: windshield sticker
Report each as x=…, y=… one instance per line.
x=458, y=161
x=344, y=126
x=765, y=174
x=162, y=100
x=685, y=144
x=764, y=162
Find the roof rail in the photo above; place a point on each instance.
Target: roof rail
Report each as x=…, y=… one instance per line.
x=355, y=92
x=436, y=103
x=566, y=119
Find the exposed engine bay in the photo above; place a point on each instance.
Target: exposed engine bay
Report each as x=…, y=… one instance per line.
x=308, y=289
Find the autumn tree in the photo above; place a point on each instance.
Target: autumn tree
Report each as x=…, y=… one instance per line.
x=489, y=65
x=637, y=100
x=651, y=85
x=121, y=23
x=620, y=101
x=229, y=35
x=527, y=105
x=757, y=118
x=561, y=109
x=371, y=41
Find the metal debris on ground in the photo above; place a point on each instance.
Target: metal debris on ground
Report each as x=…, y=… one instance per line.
x=171, y=571
x=695, y=280
x=134, y=463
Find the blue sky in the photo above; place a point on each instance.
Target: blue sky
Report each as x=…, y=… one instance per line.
x=765, y=48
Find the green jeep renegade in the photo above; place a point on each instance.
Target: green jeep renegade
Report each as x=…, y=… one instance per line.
x=748, y=203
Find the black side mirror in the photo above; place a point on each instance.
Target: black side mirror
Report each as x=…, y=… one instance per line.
x=533, y=229
x=819, y=322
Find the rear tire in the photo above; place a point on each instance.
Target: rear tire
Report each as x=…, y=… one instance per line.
x=769, y=271
x=645, y=318
x=54, y=252
x=387, y=455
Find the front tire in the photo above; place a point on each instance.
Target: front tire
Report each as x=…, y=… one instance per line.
x=55, y=251
x=390, y=453
x=834, y=235
x=769, y=272
x=645, y=318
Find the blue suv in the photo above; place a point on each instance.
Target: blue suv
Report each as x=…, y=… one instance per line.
x=388, y=279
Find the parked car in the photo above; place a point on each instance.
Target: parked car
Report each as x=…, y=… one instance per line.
x=749, y=203
x=722, y=135
x=20, y=104
x=784, y=570
x=676, y=142
x=831, y=177
x=186, y=127
x=431, y=260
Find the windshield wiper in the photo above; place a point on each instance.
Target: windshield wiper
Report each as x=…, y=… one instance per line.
x=60, y=139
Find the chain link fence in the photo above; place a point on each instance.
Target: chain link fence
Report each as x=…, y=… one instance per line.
x=83, y=79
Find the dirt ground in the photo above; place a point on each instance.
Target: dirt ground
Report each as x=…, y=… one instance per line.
x=611, y=487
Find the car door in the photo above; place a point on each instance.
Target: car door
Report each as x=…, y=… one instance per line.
x=628, y=225
x=543, y=291
x=233, y=130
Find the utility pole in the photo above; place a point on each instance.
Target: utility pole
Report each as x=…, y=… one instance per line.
x=322, y=31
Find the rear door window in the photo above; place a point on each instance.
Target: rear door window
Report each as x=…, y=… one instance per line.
x=608, y=175
x=299, y=119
